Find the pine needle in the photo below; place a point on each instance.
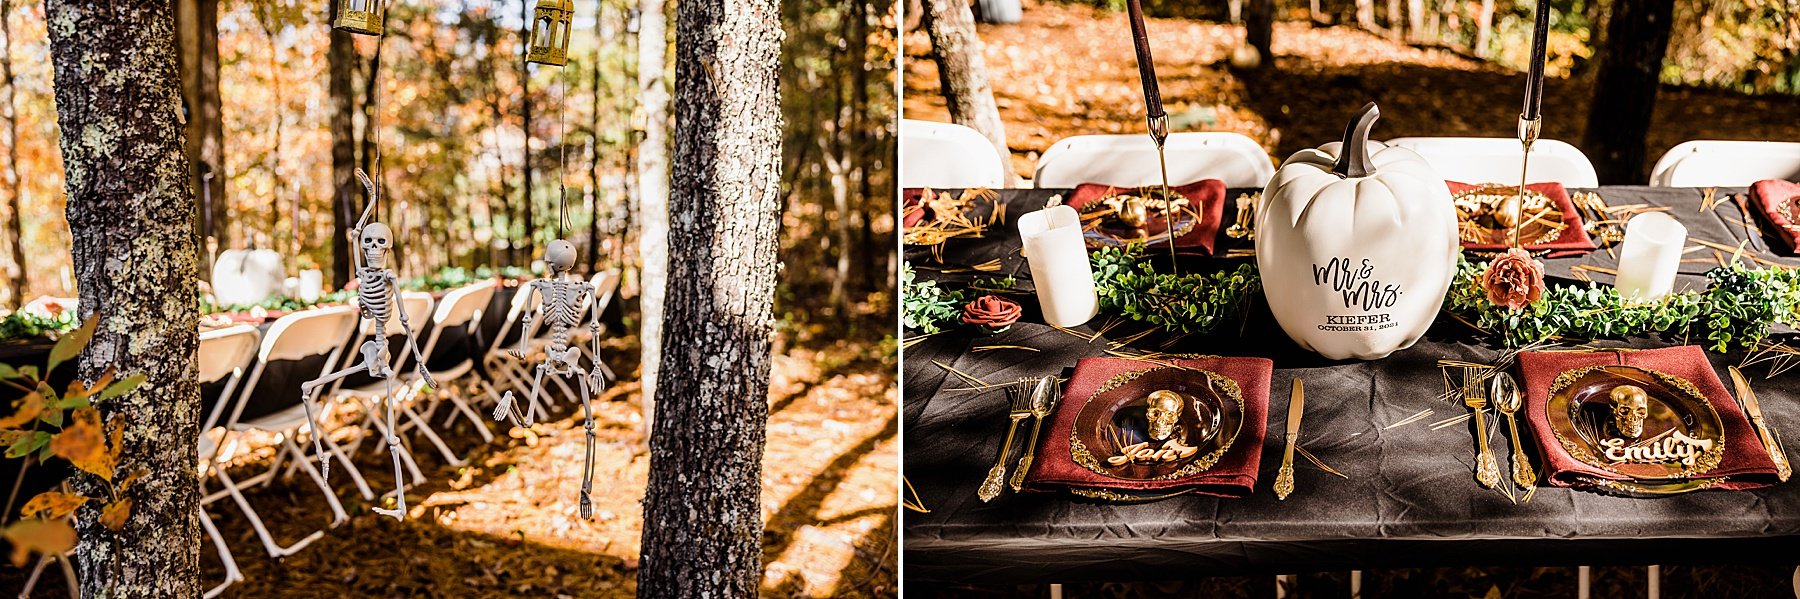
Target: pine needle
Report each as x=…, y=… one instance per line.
x=1317, y=462
x=1452, y=421
x=995, y=347
x=1410, y=419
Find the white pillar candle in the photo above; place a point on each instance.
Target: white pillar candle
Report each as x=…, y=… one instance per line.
x=1650, y=256
x=312, y=283
x=1059, y=265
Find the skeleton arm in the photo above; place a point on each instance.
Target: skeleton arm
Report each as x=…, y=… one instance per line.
x=599, y=380
x=369, y=210
x=411, y=342
x=525, y=321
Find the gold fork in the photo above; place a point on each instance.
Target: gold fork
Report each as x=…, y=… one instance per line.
x=1020, y=397
x=1487, y=471
x=1042, y=399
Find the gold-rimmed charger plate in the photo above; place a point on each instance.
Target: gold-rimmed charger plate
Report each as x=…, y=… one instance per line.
x=1477, y=216
x=1108, y=231
x=1115, y=419
x=1639, y=488
x=1580, y=412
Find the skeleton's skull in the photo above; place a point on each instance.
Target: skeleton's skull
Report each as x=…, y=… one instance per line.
x=560, y=255
x=1630, y=406
x=376, y=239
x=1164, y=414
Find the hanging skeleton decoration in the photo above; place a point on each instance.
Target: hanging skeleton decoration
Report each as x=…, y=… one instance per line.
x=562, y=308
x=377, y=294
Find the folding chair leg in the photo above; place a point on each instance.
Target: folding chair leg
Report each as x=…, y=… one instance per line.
x=337, y=508
x=406, y=458
x=262, y=532
x=459, y=404
x=231, y=568
x=362, y=486
x=431, y=435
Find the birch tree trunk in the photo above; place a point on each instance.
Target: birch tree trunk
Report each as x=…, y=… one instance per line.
x=15, y=194
x=1484, y=28
x=131, y=217
x=1637, y=37
x=962, y=74
x=702, y=507
x=340, y=61
x=1259, y=32
x=652, y=196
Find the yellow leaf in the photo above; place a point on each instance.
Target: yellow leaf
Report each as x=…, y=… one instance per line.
x=114, y=515
x=27, y=410
x=51, y=505
x=132, y=477
x=71, y=343
x=80, y=389
x=83, y=444
x=41, y=536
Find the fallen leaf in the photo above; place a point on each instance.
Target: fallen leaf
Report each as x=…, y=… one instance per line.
x=114, y=515
x=40, y=536
x=51, y=505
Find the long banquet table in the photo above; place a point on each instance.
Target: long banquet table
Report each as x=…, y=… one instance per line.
x=1410, y=501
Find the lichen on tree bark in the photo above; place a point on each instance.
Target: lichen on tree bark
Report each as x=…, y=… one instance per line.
x=131, y=211
x=702, y=508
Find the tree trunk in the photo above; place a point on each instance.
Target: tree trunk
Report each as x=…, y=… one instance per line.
x=593, y=245
x=652, y=195
x=197, y=43
x=340, y=60
x=962, y=74
x=1395, y=22
x=1484, y=28
x=131, y=215
x=1259, y=32
x=1625, y=89
x=1365, y=14
x=702, y=507
x=526, y=207
x=15, y=213
x=1415, y=19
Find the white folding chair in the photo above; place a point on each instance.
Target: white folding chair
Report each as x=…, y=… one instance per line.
x=224, y=354
x=1130, y=160
x=507, y=370
x=1712, y=163
x=460, y=308
x=1477, y=160
x=943, y=155
x=417, y=305
x=605, y=284
x=294, y=337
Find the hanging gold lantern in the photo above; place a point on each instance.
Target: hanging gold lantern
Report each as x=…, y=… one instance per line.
x=550, y=32
x=360, y=16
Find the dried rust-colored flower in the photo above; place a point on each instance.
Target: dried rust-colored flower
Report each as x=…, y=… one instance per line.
x=1514, y=280
x=991, y=311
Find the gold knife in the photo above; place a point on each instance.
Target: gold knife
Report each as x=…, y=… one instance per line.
x=1284, y=478
x=1754, y=410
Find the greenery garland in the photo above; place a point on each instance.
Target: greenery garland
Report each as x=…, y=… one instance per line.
x=1127, y=284
x=1736, y=310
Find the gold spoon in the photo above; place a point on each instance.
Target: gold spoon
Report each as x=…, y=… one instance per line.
x=1506, y=398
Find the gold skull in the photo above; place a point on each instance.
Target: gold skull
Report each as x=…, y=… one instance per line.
x=1164, y=414
x=1630, y=406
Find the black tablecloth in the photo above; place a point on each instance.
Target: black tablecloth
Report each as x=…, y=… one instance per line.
x=1411, y=500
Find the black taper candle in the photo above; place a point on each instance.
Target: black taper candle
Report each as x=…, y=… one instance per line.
x=1534, y=83
x=1146, y=66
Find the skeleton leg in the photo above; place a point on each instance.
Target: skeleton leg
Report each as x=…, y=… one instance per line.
x=371, y=354
x=587, y=467
x=393, y=441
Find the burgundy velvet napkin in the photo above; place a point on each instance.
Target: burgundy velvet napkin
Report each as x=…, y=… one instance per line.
x=1206, y=198
x=1746, y=464
x=1574, y=240
x=1771, y=198
x=914, y=210
x=1234, y=475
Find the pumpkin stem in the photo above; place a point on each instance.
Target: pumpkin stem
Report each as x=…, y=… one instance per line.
x=1353, y=158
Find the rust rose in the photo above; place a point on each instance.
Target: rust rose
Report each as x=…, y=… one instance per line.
x=1513, y=280
x=992, y=312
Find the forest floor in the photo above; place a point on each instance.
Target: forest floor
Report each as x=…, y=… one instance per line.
x=1068, y=69
x=506, y=524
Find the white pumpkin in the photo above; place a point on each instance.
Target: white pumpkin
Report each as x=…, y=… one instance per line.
x=1356, y=243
